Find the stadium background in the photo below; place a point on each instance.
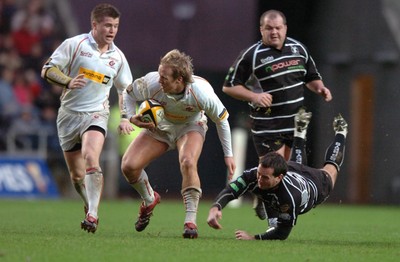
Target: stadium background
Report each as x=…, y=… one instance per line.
x=356, y=48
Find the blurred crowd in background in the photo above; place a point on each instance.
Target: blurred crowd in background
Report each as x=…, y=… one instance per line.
x=28, y=105
x=30, y=30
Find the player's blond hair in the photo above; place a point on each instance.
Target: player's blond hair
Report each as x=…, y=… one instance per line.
x=104, y=10
x=180, y=63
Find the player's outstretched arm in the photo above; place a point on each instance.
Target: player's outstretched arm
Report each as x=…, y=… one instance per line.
x=275, y=233
x=243, y=235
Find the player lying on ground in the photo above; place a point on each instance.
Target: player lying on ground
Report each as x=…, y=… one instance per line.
x=287, y=189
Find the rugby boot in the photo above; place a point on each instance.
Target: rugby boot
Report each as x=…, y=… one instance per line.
x=145, y=212
x=302, y=119
x=340, y=125
x=190, y=231
x=90, y=224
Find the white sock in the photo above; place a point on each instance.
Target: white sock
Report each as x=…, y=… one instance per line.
x=191, y=197
x=143, y=187
x=94, y=187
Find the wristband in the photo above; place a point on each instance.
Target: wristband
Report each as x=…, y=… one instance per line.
x=53, y=75
x=124, y=116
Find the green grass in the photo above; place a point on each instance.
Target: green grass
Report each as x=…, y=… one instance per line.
x=40, y=230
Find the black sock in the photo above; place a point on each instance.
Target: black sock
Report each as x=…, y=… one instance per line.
x=335, y=152
x=298, y=152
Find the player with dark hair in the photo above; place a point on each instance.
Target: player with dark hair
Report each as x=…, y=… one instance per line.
x=287, y=189
x=187, y=100
x=87, y=66
x=271, y=76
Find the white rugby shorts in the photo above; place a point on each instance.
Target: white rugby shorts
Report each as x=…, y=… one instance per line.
x=71, y=125
x=169, y=133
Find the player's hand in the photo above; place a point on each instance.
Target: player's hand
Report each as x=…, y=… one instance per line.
x=137, y=121
x=213, y=216
x=326, y=94
x=262, y=99
x=77, y=82
x=125, y=127
x=230, y=164
x=243, y=235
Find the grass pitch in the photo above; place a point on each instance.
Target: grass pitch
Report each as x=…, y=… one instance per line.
x=42, y=230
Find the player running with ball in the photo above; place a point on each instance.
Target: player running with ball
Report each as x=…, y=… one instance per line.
x=186, y=99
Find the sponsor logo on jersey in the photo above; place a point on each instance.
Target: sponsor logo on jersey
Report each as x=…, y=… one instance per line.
x=295, y=50
x=106, y=79
x=113, y=62
x=87, y=54
x=175, y=117
x=94, y=76
x=267, y=59
x=283, y=65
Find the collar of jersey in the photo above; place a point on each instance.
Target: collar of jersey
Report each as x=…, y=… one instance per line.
x=94, y=43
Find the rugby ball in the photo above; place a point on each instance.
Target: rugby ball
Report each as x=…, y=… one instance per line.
x=151, y=111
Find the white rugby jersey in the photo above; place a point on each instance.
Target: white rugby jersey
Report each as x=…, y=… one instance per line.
x=80, y=55
x=198, y=99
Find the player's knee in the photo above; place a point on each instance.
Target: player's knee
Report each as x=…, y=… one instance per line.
x=187, y=164
x=126, y=168
x=130, y=172
x=91, y=159
x=77, y=176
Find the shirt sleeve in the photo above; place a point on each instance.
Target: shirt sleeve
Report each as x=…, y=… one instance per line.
x=224, y=135
x=240, y=72
x=236, y=188
x=312, y=71
x=129, y=102
x=124, y=75
x=275, y=233
x=139, y=91
x=61, y=57
x=216, y=111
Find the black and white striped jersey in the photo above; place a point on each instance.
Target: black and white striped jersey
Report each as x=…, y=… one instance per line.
x=301, y=189
x=283, y=74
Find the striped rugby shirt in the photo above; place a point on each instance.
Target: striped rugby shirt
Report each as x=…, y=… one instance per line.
x=283, y=74
x=296, y=194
